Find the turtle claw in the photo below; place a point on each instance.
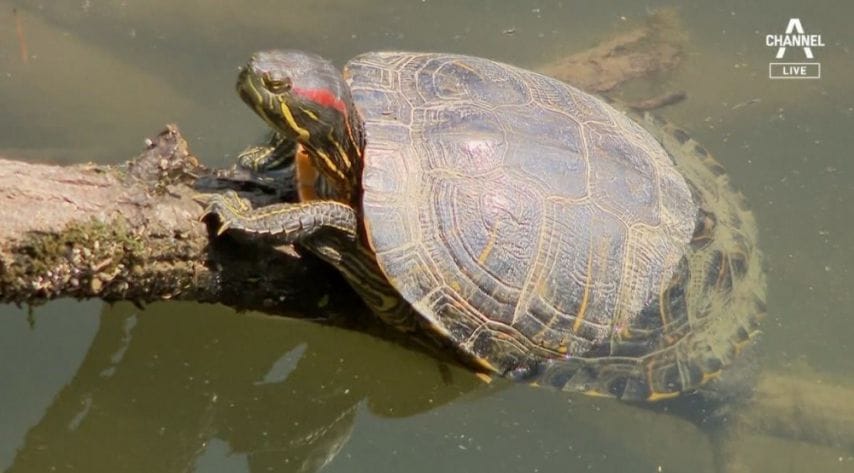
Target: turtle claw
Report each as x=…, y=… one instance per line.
x=222, y=228
x=204, y=200
x=225, y=207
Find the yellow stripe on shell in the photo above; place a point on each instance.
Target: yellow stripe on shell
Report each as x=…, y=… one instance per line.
x=657, y=396
x=579, y=318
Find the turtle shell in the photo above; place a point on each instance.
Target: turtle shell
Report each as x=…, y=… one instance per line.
x=547, y=235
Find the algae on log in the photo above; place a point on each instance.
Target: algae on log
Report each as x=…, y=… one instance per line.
x=133, y=233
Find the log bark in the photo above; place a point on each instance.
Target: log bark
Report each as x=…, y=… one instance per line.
x=132, y=232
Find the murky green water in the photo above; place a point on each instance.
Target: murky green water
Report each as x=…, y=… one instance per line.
x=183, y=387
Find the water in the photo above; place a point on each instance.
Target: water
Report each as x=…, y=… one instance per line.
x=181, y=387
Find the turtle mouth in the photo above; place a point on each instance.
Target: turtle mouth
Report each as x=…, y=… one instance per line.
x=250, y=88
x=245, y=95
x=249, y=91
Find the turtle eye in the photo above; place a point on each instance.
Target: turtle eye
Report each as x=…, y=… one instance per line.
x=277, y=85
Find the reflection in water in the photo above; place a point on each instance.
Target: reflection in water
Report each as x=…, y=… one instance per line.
x=201, y=389
x=127, y=328
x=217, y=456
x=188, y=380
x=283, y=367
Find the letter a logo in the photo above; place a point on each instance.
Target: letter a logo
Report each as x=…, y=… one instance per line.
x=794, y=26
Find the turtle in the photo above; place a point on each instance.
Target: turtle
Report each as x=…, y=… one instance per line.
x=535, y=230
x=268, y=167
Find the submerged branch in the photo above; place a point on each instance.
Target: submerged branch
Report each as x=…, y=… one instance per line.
x=654, y=47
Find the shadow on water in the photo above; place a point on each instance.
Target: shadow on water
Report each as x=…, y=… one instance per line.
x=177, y=386
x=187, y=387
x=158, y=386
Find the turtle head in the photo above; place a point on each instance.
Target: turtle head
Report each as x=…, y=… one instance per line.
x=304, y=97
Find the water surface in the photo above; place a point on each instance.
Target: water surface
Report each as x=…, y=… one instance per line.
x=186, y=387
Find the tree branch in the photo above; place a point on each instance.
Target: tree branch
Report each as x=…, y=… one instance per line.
x=133, y=233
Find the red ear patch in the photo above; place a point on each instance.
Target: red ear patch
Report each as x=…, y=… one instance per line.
x=322, y=97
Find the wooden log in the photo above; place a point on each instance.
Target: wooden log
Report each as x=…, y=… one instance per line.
x=133, y=233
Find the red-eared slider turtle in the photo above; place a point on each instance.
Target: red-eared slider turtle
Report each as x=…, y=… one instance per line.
x=532, y=227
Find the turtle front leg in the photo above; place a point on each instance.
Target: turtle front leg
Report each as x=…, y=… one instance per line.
x=277, y=154
x=287, y=222
x=309, y=223
x=271, y=167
